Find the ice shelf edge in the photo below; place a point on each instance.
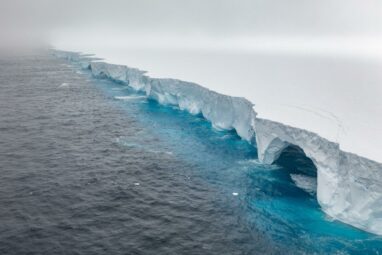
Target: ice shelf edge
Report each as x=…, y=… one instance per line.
x=349, y=187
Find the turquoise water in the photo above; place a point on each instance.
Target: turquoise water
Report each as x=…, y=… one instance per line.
x=264, y=198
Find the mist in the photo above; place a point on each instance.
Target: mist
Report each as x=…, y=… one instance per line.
x=350, y=26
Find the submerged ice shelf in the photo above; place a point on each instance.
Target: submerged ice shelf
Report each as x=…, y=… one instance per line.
x=348, y=186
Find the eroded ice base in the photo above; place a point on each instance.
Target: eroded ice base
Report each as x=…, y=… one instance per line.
x=348, y=186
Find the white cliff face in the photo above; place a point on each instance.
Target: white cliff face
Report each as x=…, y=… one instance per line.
x=133, y=77
x=272, y=138
x=224, y=112
x=360, y=186
x=348, y=186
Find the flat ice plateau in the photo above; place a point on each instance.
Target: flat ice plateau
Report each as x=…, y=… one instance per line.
x=348, y=185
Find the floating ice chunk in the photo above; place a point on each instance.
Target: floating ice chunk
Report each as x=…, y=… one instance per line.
x=137, y=183
x=64, y=85
x=307, y=183
x=130, y=97
x=121, y=88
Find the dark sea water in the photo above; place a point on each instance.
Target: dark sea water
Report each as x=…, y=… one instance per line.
x=89, y=167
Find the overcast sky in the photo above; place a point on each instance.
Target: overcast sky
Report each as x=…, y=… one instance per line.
x=53, y=19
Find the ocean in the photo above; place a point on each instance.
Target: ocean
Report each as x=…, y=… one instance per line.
x=89, y=166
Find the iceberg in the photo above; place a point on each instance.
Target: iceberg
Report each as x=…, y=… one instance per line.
x=348, y=186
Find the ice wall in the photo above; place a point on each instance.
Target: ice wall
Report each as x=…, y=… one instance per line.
x=224, y=112
x=133, y=77
x=348, y=186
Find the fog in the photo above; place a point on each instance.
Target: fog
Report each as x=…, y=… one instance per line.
x=310, y=64
x=51, y=20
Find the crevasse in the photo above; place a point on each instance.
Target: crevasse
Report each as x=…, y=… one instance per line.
x=348, y=186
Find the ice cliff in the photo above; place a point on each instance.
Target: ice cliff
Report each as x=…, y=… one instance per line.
x=349, y=187
x=224, y=112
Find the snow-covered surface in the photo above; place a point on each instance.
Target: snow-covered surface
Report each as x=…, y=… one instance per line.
x=348, y=186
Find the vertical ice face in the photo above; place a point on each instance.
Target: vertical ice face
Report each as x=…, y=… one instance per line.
x=224, y=112
x=272, y=138
x=133, y=77
x=361, y=188
x=348, y=186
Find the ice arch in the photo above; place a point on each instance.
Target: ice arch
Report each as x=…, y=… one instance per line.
x=348, y=186
x=299, y=170
x=295, y=162
x=272, y=138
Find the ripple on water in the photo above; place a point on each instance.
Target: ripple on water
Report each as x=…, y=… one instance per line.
x=85, y=173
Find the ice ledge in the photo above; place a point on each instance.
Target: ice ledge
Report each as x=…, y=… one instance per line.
x=348, y=186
